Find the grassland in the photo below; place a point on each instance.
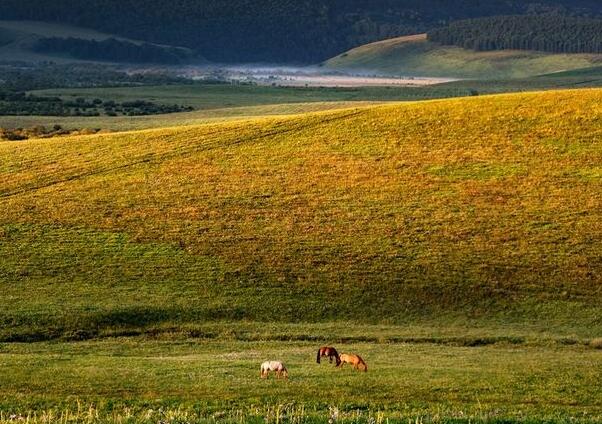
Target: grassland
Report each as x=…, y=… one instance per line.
x=455, y=244
x=485, y=209
x=414, y=55
x=129, y=380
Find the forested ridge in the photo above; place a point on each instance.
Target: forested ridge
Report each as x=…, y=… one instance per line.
x=275, y=30
x=112, y=50
x=549, y=33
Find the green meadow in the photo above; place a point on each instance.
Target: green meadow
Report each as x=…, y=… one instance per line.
x=192, y=380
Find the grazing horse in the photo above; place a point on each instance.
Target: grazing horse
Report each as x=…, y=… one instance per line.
x=329, y=351
x=275, y=366
x=354, y=360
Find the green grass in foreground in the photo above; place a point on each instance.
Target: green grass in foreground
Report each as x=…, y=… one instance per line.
x=137, y=380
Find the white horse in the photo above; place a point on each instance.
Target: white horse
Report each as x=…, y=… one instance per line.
x=275, y=366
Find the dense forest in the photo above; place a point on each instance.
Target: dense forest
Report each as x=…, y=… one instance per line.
x=112, y=50
x=275, y=30
x=549, y=33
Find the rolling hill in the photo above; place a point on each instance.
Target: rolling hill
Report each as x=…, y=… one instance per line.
x=414, y=55
x=18, y=40
x=476, y=211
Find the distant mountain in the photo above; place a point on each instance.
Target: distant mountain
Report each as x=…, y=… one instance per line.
x=276, y=30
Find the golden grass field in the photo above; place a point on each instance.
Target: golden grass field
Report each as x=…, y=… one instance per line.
x=469, y=206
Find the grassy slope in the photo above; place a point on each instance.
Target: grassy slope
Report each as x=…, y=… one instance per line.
x=483, y=211
x=414, y=55
x=22, y=34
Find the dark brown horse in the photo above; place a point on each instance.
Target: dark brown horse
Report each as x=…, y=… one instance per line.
x=329, y=351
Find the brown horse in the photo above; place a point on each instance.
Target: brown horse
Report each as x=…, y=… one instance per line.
x=329, y=351
x=354, y=360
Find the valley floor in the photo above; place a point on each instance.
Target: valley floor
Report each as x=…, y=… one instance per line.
x=195, y=380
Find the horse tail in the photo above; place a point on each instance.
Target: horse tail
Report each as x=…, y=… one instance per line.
x=318, y=356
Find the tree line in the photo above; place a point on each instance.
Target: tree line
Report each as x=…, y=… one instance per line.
x=22, y=104
x=302, y=31
x=112, y=50
x=21, y=76
x=549, y=33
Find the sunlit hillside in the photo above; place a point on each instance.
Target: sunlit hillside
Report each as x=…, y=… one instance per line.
x=484, y=209
x=414, y=55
